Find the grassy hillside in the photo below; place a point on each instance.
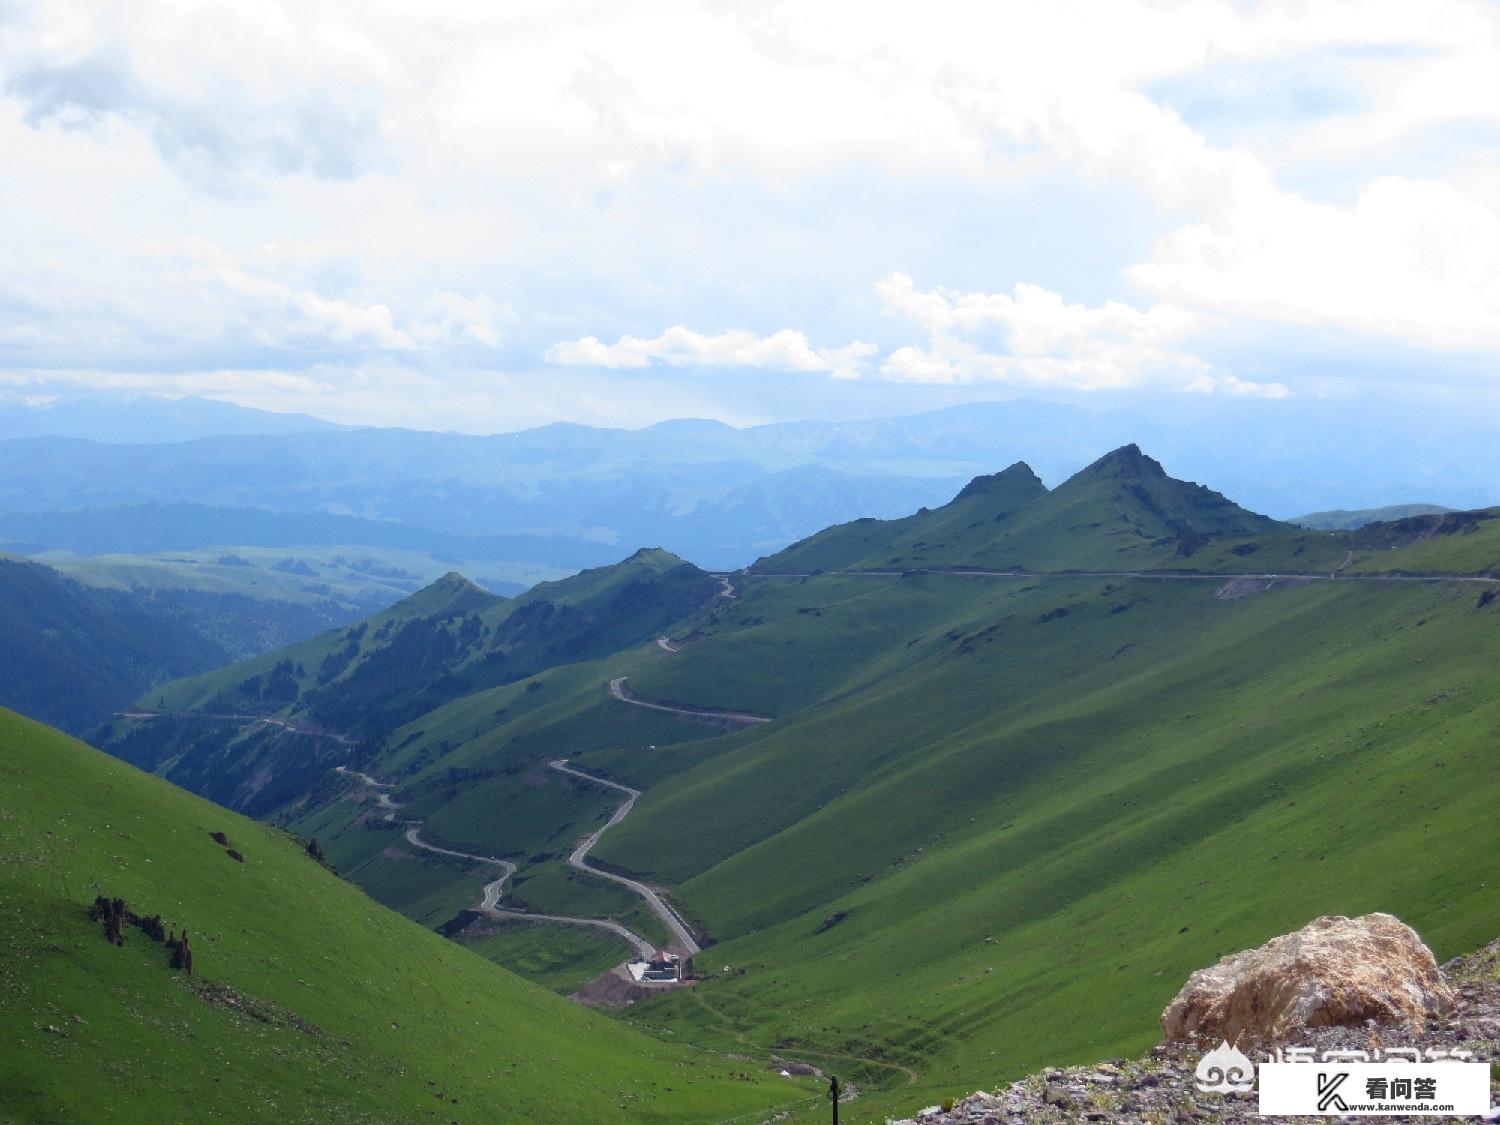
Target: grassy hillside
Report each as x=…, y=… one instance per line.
x=308, y=1002
x=996, y=818
x=982, y=502
x=71, y=656
x=1121, y=513
x=973, y=811
x=1010, y=845
x=1352, y=519
x=354, y=579
x=256, y=735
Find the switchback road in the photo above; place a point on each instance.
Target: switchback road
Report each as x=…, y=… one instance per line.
x=579, y=859
x=618, y=689
x=493, y=890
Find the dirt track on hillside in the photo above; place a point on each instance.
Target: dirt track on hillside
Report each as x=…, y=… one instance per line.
x=493, y=890
x=618, y=689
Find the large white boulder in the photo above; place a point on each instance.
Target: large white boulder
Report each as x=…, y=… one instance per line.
x=1334, y=971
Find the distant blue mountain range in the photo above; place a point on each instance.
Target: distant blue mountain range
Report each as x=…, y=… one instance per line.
x=146, y=419
x=576, y=495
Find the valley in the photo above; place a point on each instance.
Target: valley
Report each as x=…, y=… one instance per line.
x=1061, y=784
x=306, y=1001
x=673, y=563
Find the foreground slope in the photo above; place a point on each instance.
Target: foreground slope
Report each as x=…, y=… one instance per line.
x=308, y=1001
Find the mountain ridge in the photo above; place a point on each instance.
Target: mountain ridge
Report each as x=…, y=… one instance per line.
x=1122, y=511
x=1011, y=771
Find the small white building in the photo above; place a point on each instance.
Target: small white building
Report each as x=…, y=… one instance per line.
x=663, y=967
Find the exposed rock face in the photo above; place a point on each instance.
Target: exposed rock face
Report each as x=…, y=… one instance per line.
x=1334, y=972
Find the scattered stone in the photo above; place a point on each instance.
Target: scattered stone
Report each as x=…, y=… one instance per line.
x=182, y=953
x=262, y=1011
x=831, y=921
x=113, y=914
x=1334, y=972
x=1158, y=1087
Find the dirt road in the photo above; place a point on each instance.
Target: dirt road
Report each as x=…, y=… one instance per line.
x=1161, y=575
x=618, y=689
x=490, y=901
x=682, y=935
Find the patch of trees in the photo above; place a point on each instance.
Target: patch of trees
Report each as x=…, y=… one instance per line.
x=149, y=743
x=415, y=670
x=280, y=686
x=240, y=626
x=336, y=662
x=73, y=655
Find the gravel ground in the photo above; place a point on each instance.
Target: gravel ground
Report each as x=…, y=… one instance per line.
x=1158, y=1089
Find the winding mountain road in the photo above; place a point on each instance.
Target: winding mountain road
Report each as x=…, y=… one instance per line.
x=618, y=689
x=1163, y=575
x=579, y=859
x=493, y=890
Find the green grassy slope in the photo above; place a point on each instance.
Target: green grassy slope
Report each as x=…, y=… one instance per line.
x=72, y=656
x=360, y=577
x=309, y=1002
x=475, y=772
x=1448, y=542
x=1121, y=513
x=989, y=803
x=981, y=503
x=1345, y=519
x=353, y=688
x=1029, y=834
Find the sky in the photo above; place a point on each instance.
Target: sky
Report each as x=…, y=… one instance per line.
x=486, y=217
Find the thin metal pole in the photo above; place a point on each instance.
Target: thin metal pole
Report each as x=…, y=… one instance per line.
x=833, y=1096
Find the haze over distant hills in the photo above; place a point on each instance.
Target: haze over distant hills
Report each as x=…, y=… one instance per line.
x=574, y=495
x=1343, y=520
x=147, y=418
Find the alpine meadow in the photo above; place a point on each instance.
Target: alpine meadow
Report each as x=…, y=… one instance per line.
x=749, y=563
x=1031, y=757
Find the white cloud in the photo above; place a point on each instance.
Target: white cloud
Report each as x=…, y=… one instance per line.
x=280, y=316
x=786, y=350
x=1411, y=259
x=1037, y=339
x=453, y=186
x=225, y=95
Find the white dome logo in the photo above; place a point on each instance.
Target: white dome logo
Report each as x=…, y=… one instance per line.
x=1224, y=1070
